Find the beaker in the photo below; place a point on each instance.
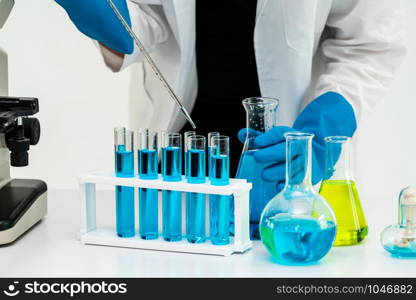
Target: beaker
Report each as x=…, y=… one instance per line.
x=261, y=117
x=339, y=189
x=400, y=239
x=124, y=167
x=172, y=200
x=148, y=198
x=298, y=226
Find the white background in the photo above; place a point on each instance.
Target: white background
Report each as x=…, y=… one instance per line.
x=81, y=101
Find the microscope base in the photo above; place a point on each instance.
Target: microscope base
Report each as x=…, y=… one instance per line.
x=29, y=208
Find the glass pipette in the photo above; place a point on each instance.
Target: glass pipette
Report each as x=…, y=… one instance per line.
x=151, y=63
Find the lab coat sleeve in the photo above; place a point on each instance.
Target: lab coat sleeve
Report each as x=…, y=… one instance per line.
x=149, y=24
x=366, y=48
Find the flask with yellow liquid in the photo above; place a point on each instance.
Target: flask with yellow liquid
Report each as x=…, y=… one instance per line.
x=339, y=189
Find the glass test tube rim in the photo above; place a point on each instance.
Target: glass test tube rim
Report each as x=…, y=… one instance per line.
x=222, y=138
x=210, y=136
x=197, y=138
x=147, y=139
x=168, y=136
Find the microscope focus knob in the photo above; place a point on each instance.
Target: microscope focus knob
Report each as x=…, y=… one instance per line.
x=32, y=130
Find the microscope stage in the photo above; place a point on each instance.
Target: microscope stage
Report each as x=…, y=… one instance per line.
x=22, y=205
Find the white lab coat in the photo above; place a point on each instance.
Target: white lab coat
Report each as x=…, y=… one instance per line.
x=358, y=56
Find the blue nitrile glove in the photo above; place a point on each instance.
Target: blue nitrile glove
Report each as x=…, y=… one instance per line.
x=96, y=19
x=328, y=115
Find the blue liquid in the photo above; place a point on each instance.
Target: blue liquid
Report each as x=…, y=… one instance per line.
x=172, y=200
x=148, y=164
x=261, y=193
x=171, y=164
x=195, y=203
x=219, y=169
x=172, y=216
x=148, y=198
x=195, y=217
x=297, y=240
x=195, y=166
x=124, y=162
x=220, y=205
x=220, y=219
x=402, y=252
x=124, y=166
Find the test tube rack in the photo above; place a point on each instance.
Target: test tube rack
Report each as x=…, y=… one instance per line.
x=93, y=235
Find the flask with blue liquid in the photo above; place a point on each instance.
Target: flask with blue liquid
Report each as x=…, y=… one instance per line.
x=261, y=117
x=298, y=226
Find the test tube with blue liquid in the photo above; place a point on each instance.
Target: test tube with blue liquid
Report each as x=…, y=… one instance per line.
x=210, y=136
x=195, y=166
x=219, y=174
x=172, y=200
x=148, y=198
x=124, y=167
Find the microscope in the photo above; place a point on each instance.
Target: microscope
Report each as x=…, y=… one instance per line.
x=23, y=202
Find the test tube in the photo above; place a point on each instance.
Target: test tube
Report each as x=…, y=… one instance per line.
x=148, y=198
x=195, y=202
x=124, y=167
x=209, y=142
x=220, y=204
x=172, y=200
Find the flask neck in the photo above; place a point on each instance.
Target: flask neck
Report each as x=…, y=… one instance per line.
x=298, y=160
x=407, y=207
x=260, y=117
x=338, y=158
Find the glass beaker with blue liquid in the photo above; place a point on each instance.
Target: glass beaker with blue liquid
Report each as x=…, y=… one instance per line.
x=172, y=200
x=148, y=198
x=124, y=167
x=298, y=226
x=261, y=117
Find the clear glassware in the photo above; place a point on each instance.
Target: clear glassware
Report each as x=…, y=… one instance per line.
x=261, y=117
x=298, y=226
x=148, y=198
x=124, y=167
x=400, y=239
x=219, y=205
x=195, y=170
x=339, y=189
x=172, y=200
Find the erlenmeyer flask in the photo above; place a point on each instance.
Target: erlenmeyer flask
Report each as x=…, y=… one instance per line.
x=261, y=117
x=339, y=189
x=298, y=226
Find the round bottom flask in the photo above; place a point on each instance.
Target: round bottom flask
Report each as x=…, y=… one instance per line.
x=298, y=226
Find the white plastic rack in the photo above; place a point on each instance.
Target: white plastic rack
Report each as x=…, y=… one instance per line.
x=91, y=234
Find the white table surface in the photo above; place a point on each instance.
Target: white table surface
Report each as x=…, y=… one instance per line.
x=52, y=249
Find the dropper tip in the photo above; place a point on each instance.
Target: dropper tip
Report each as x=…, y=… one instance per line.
x=188, y=118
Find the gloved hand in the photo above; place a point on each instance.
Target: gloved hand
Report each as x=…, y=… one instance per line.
x=96, y=19
x=328, y=115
